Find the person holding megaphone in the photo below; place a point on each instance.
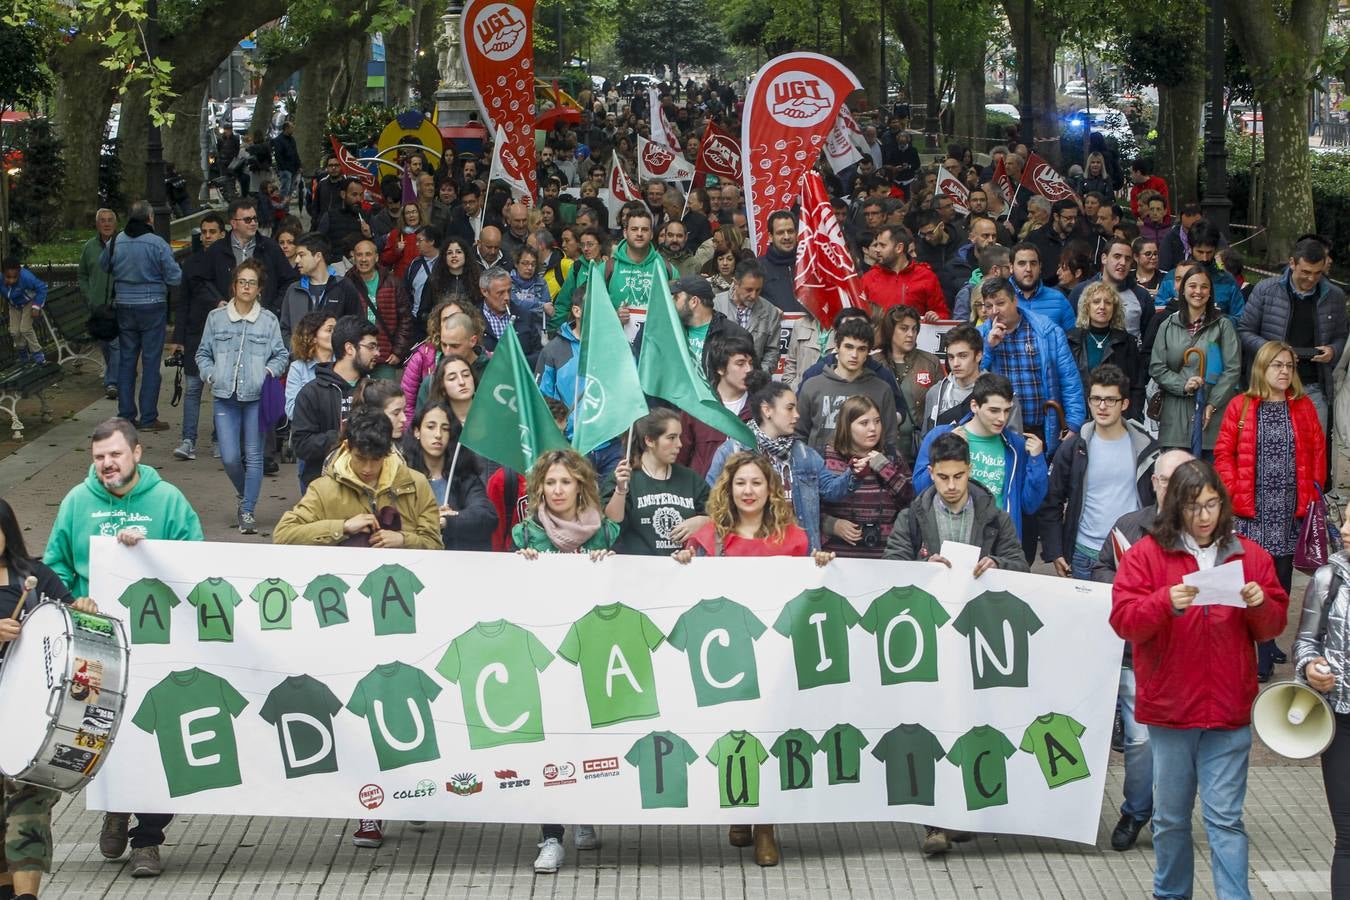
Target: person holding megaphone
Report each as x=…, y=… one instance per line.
x=1322, y=661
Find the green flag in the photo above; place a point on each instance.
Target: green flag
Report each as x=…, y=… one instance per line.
x=509, y=422
x=611, y=397
x=666, y=369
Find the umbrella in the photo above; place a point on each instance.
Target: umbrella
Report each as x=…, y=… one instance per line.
x=1197, y=417
x=1055, y=407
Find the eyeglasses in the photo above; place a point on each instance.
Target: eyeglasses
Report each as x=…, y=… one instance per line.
x=369, y=345
x=1105, y=402
x=1195, y=509
x=246, y=282
x=927, y=234
x=247, y=220
x=1282, y=366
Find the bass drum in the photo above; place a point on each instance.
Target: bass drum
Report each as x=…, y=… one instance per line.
x=63, y=688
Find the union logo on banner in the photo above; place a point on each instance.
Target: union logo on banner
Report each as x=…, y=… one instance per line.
x=719, y=154
x=1002, y=181
x=1040, y=177
x=499, y=64
x=826, y=279
x=499, y=30
x=656, y=161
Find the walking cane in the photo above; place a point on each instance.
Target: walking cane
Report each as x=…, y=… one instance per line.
x=1054, y=406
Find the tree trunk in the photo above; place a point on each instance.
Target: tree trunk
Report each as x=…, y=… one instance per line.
x=1179, y=111
x=863, y=51
x=311, y=106
x=914, y=38
x=968, y=116
x=1044, y=43
x=183, y=142
x=1288, y=180
x=132, y=138
x=83, y=96
x=398, y=56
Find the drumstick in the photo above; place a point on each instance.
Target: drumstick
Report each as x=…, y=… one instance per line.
x=28, y=584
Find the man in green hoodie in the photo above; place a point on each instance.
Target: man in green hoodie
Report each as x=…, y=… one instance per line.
x=632, y=272
x=120, y=498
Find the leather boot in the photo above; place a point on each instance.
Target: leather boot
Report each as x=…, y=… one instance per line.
x=740, y=836
x=766, y=847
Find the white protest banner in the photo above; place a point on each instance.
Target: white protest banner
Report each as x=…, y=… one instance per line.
x=659, y=163
x=933, y=336
x=633, y=327
x=364, y=683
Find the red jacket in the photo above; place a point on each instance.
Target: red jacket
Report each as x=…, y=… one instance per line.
x=1196, y=669
x=915, y=286
x=1235, y=452
x=508, y=512
x=794, y=543
x=393, y=315
x=400, y=249
x=1152, y=183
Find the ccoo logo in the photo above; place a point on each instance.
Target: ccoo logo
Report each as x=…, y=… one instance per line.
x=799, y=100
x=499, y=31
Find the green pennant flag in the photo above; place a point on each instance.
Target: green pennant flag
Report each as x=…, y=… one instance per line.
x=611, y=397
x=509, y=422
x=666, y=369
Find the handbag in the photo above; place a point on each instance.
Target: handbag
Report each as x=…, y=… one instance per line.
x=1315, y=539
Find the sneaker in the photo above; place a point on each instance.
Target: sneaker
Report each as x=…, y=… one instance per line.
x=145, y=862
x=186, y=450
x=110, y=391
x=215, y=452
x=369, y=833
x=112, y=842
x=935, y=841
x=247, y=523
x=550, y=858
x=586, y=837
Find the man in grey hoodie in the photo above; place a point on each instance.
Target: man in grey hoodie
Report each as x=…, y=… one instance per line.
x=821, y=395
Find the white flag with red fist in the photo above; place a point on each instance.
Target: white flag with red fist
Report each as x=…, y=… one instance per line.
x=659, y=163
x=949, y=185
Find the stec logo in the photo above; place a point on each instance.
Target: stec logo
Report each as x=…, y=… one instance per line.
x=510, y=778
x=604, y=767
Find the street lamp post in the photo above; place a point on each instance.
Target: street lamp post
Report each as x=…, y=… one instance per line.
x=931, y=126
x=1028, y=116
x=881, y=104
x=154, y=147
x=1215, y=203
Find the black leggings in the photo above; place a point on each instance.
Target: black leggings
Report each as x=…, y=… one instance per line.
x=1336, y=779
x=1265, y=651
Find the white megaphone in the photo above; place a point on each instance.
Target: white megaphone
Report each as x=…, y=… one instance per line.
x=1293, y=719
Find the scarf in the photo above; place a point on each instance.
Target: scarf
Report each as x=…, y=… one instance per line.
x=568, y=536
x=779, y=452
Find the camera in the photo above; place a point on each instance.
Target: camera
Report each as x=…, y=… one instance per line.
x=871, y=535
x=175, y=361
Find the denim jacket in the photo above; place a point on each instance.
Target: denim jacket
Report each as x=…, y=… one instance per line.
x=237, y=352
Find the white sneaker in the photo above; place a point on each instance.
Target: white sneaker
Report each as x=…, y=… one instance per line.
x=186, y=450
x=550, y=858
x=586, y=837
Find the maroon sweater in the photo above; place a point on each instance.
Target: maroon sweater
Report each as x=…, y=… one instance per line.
x=877, y=500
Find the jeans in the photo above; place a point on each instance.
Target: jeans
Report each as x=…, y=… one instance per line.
x=111, y=359
x=240, y=442
x=1214, y=761
x=140, y=339
x=1336, y=779
x=149, y=829
x=1081, y=565
x=192, y=406
x=1138, y=803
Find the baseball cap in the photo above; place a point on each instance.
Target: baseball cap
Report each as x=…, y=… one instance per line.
x=695, y=285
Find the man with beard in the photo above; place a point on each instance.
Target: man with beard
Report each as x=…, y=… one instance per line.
x=779, y=262
x=675, y=250
x=1031, y=292
x=898, y=278
x=120, y=498
x=322, y=405
x=344, y=225
x=632, y=271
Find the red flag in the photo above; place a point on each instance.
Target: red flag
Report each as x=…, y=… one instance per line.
x=350, y=167
x=498, y=41
x=792, y=105
x=719, y=154
x=1039, y=177
x=1002, y=181
x=826, y=280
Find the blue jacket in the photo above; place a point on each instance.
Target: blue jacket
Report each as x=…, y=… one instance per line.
x=236, y=355
x=28, y=289
x=142, y=266
x=1059, y=375
x=1025, y=481
x=1048, y=302
x=811, y=483
x=1227, y=295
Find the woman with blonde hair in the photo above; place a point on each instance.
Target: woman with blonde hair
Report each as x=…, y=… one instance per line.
x=750, y=516
x=1096, y=177
x=1271, y=456
x=1100, y=337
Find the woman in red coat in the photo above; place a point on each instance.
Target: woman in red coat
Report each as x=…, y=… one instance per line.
x=400, y=248
x=1271, y=455
x=1195, y=671
x=751, y=516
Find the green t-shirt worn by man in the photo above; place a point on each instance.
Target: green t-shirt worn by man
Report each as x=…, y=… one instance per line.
x=328, y=593
x=150, y=601
x=662, y=760
x=999, y=627
x=738, y=756
x=987, y=462
x=191, y=714
x=215, y=600
x=274, y=598
x=910, y=753
x=982, y=754
x=655, y=508
x=302, y=710
x=795, y=749
x=719, y=638
x=1053, y=738
x=696, y=336
x=905, y=621
x=395, y=700
x=392, y=590
x=818, y=621
x=497, y=666
x=613, y=645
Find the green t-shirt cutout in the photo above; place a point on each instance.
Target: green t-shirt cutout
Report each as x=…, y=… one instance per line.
x=150, y=602
x=818, y=621
x=191, y=713
x=215, y=600
x=905, y=621
x=794, y=750
x=662, y=760
x=982, y=754
x=843, y=745
x=274, y=598
x=910, y=753
x=497, y=666
x=392, y=590
x=999, y=626
x=302, y=710
x=613, y=646
x=395, y=700
x=1053, y=738
x=719, y=638
x=328, y=593
x=738, y=756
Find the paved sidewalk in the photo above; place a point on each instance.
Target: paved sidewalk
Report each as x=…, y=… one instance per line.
x=259, y=857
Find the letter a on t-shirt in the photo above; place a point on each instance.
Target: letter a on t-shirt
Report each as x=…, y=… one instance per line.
x=392, y=590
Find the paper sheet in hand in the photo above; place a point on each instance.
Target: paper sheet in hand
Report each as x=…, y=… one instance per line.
x=963, y=557
x=1219, y=586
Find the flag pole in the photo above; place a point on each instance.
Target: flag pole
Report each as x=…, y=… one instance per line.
x=628, y=450
x=449, y=476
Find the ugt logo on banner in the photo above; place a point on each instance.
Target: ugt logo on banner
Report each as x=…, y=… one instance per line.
x=799, y=100
x=499, y=64
x=499, y=30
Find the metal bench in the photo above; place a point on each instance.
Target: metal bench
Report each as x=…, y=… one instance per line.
x=66, y=315
x=20, y=380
